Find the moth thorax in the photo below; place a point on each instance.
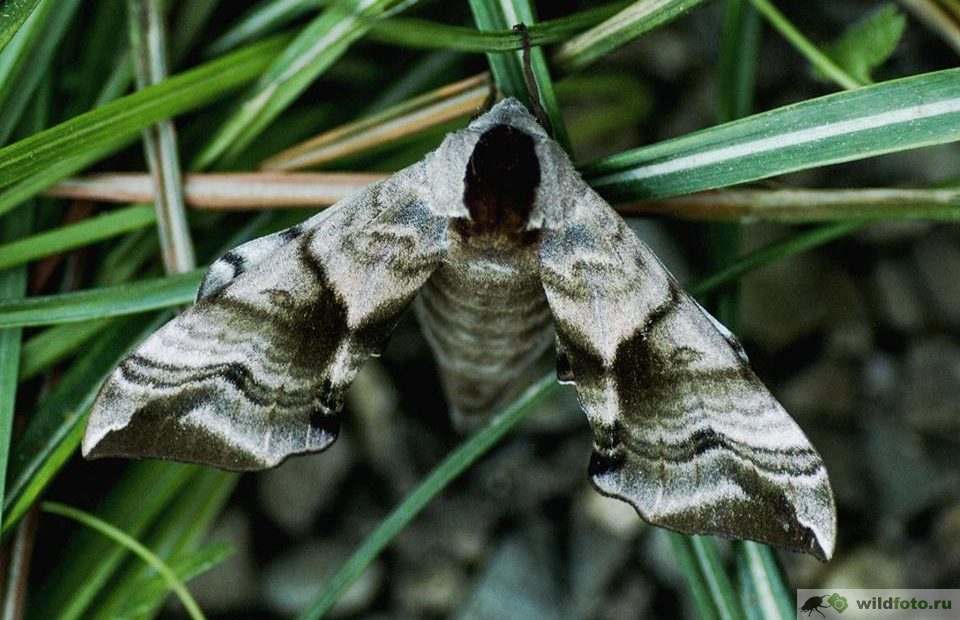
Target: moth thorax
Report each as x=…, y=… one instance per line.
x=500, y=183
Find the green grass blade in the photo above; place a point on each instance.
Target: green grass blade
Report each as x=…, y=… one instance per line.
x=175, y=536
x=508, y=69
x=795, y=244
x=150, y=592
x=133, y=504
x=823, y=63
x=45, y=29
x=902, y=114
x=763, y=593
x=120, y=121
x=626, y=25
x=148, y=42
x=451, y=467
x=13, y=285
x=868, y=44
x=724, y=599
x=317, y=46
x=737, y=68
x=265, y=17
x=699, y=588
x=71, y=236
x=53, y=345
x=35, y=183
x=56, y=425
x=119, y=537
x=423, y=34
x=116, y=300
x=14, y=13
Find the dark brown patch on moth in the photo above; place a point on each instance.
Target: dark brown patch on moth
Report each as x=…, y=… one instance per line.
x=500, y=183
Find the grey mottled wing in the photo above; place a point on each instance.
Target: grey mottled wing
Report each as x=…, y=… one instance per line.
x=255, y=371
x=684, y=430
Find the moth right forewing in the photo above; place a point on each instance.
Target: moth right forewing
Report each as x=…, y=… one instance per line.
x=684, y=431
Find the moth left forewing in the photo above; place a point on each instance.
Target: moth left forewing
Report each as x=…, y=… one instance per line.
x=684, y=430
x=255, y=371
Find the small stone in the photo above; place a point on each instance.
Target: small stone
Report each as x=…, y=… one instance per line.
x=295, y=579
x=897, y=296
x=429, y=588
x=938, y=260
x=519, y=581
x=828, y=387
x=794, y=297
x=231, y=585
x=293, y=493
x=931, y=386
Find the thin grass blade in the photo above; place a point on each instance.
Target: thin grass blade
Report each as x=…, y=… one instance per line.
x=442, y=105
x=119, y=122
x=225, y=190
x=13, y=285
x=763, y=593
x=892, y=116
x=148, y=45
x=121, y=538
x=317, y=46
x=626, y=25
x=90, y=230
x=14, y=13
x=175, y=536
x=56, y=425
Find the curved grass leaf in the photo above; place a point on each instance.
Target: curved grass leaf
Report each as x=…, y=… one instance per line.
x=175, y=535
x=891, y=116
x=120, y=121
x=55, y=427
x=34, y=48
x=867, y=44
x=317, y=46
x=124, y=540
x=628, y=24
x=149, y=592
x=13, y=285
x=99, y=303
x=821, y=62
x=763, y=594
x=14, y=13
x=72, y=236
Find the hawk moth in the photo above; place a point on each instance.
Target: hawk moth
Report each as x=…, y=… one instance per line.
x=502, y=249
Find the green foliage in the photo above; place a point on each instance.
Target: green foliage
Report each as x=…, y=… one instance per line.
x=867, y=44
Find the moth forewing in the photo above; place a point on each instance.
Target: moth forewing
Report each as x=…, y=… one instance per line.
x=504, y=243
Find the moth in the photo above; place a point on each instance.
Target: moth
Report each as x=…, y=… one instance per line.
x=502, y=250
